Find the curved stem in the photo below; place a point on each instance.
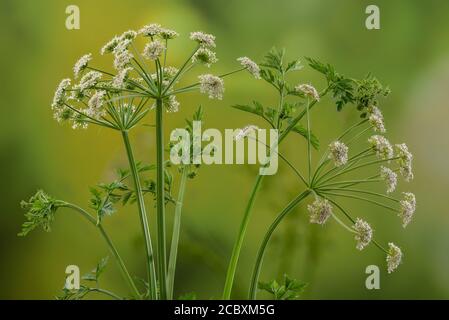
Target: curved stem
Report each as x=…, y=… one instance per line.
x=106, y=292
x=349, y=163
x=266, y=239
x=160, y=201
x=238, y=244
x=111, y=246
x=309, y=152
x=283, y=158
x=143, y=217
x=175, y=236
x=295, y=121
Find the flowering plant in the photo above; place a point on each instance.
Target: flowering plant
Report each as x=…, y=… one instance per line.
x=142, y=83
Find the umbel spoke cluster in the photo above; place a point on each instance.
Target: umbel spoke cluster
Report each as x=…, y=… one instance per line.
x=141, y=83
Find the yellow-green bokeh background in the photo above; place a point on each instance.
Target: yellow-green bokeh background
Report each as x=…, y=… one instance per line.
x=410, y=53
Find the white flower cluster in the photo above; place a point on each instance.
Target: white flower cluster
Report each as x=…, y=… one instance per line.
x=250, y=65
x=364, y=233
x=394, y=257
x=381, y=146
x=81, y=64
x=205, y=56
x=320, y=210
x=404, y=161
x=95, y=104
x=308, y=90
x=408, y=207
x=154, y=29
x=390, y=177
x=154, y=49
x=212, y=85
x=88, y=81
x=338, y=153
x=119, y=80
x=376, y=119
x=204, y=39
x=59, y=97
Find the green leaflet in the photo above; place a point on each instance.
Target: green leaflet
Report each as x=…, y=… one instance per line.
x=291, y=289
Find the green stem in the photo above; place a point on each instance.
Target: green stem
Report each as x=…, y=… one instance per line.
x=355, y=168
x=266, y=239
x=143, y=217
x=244, y=224
x=106, y=292
x=112, y=248
x=309, y=150
x=360, y=198
x=238, y=244
x=361, y=191
x=175, y=236
x=160, y=201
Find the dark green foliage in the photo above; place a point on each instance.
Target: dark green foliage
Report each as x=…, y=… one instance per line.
x=41, y=209
x=290, y=290
x=74, y=294
x=274, y=71
x=362, y=93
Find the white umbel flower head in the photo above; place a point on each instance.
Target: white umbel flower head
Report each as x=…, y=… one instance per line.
x=88, y=81
x=151, y=30
x=168, y=34
x=205, y=56
x=246, y=131
x=95, y=104
x=390, y=177
x=376, y=119
x=59, y=97
x=170, y=72
x=308, y=90
x=153, y=50
x=408, y=207
x=338, y=153
x=110, y=46
x=212, y=85
x=81, y=64
x=364, y=233
x=404, y=161
x=320, y=210
x=394, y=257
x=122, y=59
x=204, y=39
x=381, y=146
x=119, y=80
x=128, y=35
x=250, y=65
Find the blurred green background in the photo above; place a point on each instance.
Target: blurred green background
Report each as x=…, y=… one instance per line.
x=410, y=53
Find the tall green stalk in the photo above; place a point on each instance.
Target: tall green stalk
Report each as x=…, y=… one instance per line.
x=175, y=236
x=238, y=244
x=266, y=239
x=143, y=217
x=160, y=202
x=111, y=246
